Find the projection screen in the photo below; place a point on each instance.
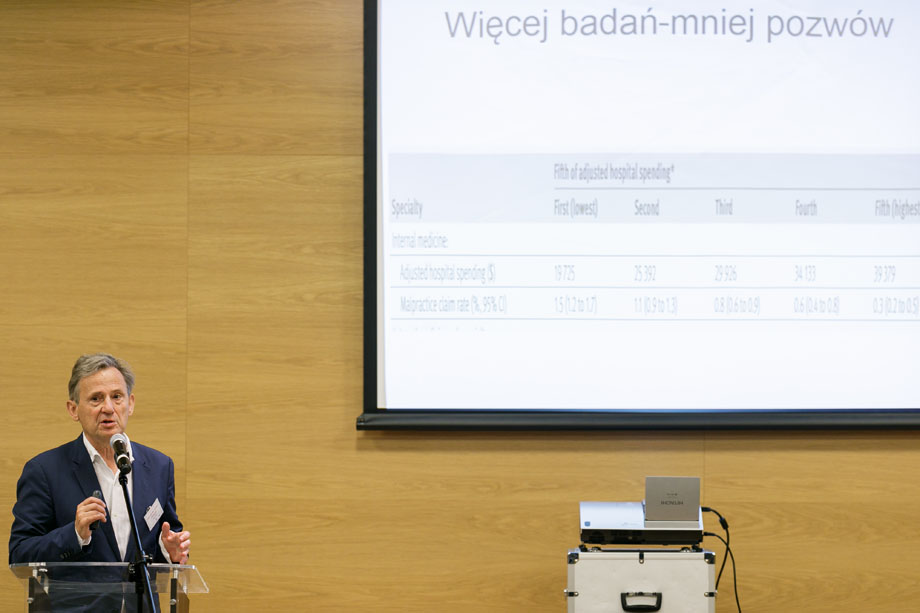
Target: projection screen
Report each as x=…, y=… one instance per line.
x=593, y=214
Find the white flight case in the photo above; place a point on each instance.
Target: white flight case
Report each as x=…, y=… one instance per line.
x=666, y=580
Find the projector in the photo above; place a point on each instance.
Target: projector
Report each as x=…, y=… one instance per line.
x=624, y=523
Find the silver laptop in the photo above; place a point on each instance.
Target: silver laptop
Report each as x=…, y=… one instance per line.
x=672, y=498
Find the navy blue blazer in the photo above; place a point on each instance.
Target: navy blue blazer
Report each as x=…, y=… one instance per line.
x=53, y=483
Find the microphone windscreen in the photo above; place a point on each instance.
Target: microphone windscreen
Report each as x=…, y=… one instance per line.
x=118, y=438
x=119, y=444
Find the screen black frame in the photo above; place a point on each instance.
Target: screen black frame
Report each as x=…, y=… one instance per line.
x=376, y=418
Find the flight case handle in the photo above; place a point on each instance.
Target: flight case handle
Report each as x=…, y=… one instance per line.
x=636, y=608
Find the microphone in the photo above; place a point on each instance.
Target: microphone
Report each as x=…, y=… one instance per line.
x=119, y=444
x=95, y=524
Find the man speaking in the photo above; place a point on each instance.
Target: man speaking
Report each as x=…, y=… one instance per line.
x=70, y=506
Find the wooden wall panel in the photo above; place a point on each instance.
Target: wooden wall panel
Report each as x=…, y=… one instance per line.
x=180, y=183
x=276, y=76
x=274, y=342
x=93, y=252
x=818, y=516
x=94, y=76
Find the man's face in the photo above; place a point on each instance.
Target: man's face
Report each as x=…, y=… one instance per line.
x=103, y=405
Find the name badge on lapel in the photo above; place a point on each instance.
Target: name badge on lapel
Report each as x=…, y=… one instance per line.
x=153, y=514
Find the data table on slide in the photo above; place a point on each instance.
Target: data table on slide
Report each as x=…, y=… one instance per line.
x=653, y=237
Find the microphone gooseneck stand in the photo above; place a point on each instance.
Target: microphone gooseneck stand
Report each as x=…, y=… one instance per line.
x=137, y=570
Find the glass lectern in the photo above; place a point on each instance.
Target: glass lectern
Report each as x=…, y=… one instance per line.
x=104, y=586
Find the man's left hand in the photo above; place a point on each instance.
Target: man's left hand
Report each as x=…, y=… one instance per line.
x=177, y=544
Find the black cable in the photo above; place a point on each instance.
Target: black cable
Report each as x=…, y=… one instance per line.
x=728, y=539
x=734, y=572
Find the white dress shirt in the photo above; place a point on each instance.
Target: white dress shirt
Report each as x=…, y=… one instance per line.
x=114, y=499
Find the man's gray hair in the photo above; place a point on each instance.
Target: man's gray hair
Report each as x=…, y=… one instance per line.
x=90, y=364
